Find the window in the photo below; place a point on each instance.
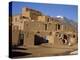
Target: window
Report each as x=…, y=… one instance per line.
x=21, y=38
x=38, y=32
x=24, y=17
x=65, y=36
x=73, y=36
x=50, y=33
x=45, y=26
x=48, y=20
x=58, y=26
x=15, y=19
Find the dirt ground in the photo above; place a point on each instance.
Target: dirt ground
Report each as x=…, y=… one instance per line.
x=40, y=51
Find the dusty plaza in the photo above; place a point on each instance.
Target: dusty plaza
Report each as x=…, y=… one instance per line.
x=34, y=34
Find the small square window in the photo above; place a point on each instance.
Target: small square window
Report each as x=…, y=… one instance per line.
x=15, y=19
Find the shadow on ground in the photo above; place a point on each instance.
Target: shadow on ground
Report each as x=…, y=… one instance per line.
x=19, y=54
x=18, y=48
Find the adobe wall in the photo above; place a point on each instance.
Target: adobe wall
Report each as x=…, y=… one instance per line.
x=32, y=28
x=15, y=37
x=33, y=14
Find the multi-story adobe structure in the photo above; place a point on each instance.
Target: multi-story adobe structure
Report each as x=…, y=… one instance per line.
x=32, y=28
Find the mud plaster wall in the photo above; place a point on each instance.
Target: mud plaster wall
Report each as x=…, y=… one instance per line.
x=32, y=28
x=15, y=37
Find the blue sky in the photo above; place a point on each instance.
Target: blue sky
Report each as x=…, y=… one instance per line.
x=69, y=11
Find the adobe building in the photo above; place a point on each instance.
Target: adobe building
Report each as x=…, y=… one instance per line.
x=32, y=28
x=31, y=13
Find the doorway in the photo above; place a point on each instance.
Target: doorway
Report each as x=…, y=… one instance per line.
x=21, y=38
x=39, y=40
x=65, y=39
